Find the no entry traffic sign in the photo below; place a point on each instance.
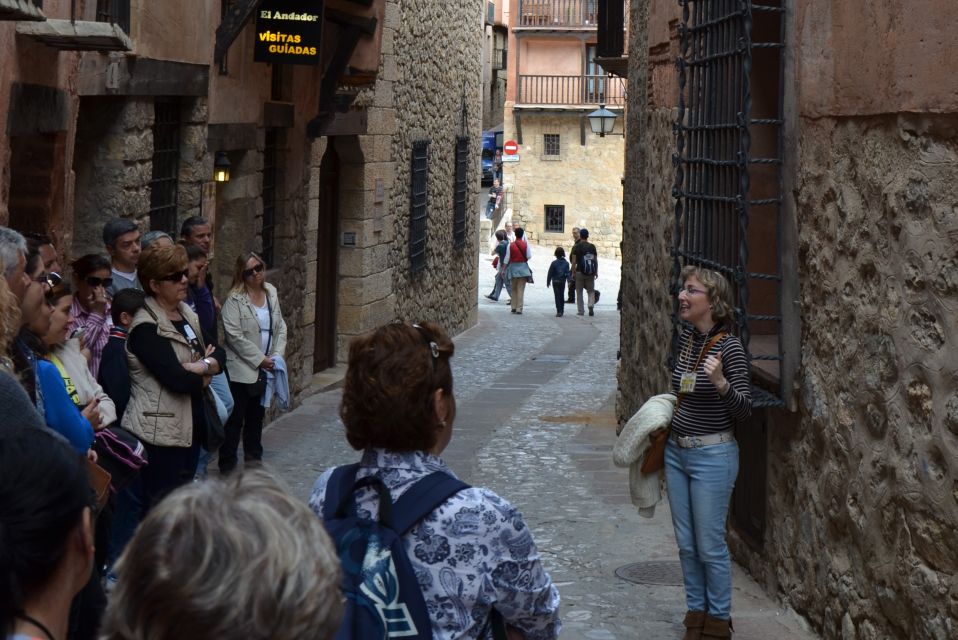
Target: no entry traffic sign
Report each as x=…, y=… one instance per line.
x=510, y=148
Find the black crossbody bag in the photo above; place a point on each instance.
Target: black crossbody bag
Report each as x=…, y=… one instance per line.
x=258, y=388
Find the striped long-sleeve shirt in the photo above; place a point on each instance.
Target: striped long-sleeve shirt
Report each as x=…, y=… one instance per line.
x=704, y=411
x=97, y=331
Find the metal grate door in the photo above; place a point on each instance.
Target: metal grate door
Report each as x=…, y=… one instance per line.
x=461, y=192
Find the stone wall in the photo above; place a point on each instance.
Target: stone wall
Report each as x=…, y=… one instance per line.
x=862, y=488
x=863, y=484
x=114, y=162
x=587, y=179
x=428, y=100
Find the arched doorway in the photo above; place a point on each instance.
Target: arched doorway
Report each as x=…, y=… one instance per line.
x=327, y=261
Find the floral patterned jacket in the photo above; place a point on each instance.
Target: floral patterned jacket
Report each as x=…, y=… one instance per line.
x=472, y=554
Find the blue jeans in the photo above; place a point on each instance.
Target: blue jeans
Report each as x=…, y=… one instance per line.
x=500, y=282
x=700, y=483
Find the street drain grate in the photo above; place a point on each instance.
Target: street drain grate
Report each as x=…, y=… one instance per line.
x=660, y=572
x=549, y=357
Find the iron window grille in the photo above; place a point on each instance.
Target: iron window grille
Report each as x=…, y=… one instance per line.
x=165, y=180
x=461, y=192
x=715, y=195
x=115, y=12
x=551, y=146
x=419, y=196
x=555, y=218
x=270, y=173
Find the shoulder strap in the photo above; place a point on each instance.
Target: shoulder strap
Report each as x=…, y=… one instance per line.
x=708, y=347
x=340, y=484
x=422, y=498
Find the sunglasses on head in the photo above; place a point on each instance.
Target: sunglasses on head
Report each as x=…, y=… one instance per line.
x=257, y=269
x=176, y=276
x=93, y=281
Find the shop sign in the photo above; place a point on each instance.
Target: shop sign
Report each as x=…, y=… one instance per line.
x=289, y=32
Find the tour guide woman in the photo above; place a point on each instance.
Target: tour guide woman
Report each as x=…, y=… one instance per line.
x=473, y=553
x=255, y=335
x=711, y=377
x=171, y=364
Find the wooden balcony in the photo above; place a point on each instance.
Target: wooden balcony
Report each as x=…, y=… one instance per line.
x=558, y=14
x=571, y=90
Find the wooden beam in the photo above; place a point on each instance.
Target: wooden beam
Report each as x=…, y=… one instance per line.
x=20, y=10
x=232, y=25
x=366, y=25
x=81, y=35
x=349, y=38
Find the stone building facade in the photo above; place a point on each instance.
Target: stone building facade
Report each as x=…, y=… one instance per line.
x=847, y=503
x=563, y=175
x=320, y=155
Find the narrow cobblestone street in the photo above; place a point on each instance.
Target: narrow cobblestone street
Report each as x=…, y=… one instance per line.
x=535, y=423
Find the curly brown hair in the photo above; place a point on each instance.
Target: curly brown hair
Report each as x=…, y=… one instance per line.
x=392, y=374
x=718, y=290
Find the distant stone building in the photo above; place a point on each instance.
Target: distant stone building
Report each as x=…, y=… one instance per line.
x=494, y=65
x=563, y=175
x=351, y=174
x=808, y=150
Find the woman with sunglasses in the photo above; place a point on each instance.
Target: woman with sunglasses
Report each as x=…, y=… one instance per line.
x=92, y=277
x=171, y=363
x=255, y=337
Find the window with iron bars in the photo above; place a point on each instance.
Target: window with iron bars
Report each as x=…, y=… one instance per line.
x=270, y=182
x=115, y=12
x=550, y=144
x=419, y=197
x=728, y=170
x=165, y=180
x=461, y=192
x=555, y=218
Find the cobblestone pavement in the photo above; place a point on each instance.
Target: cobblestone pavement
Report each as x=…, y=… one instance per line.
x=535, y=423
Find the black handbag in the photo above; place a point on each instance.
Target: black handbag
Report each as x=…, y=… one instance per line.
x=119, y=453
x=214, y=433
x=258, y=388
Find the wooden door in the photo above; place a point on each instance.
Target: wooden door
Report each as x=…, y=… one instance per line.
x=327, y=262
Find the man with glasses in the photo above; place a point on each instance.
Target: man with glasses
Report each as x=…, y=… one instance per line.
x=122, y=239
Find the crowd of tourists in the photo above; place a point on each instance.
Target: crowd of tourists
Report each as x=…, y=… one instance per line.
x=511, y=257
x=121, y=382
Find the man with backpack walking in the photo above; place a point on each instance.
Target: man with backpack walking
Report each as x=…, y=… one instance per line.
x=585, y=266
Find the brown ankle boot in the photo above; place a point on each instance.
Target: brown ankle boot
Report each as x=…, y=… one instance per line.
x=694, y=621
x=716, y=628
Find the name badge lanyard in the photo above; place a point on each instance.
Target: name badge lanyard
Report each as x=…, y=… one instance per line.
x=687, y=381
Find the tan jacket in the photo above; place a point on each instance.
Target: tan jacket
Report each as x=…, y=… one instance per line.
x=241, y=339
x=156, y=415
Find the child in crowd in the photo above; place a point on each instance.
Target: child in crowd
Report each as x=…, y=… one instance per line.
x=114, y=375
x=558, y=274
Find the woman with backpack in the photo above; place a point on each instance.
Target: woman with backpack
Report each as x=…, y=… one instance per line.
x=463, y=553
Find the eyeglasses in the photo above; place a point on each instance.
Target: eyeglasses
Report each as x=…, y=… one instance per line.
x=176, y=276
x=93, y=281
x=49, y=280
x=691, y=291
x=257, y=269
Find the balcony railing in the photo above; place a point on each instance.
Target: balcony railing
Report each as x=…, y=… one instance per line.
x=571, y=90
x=558, y=13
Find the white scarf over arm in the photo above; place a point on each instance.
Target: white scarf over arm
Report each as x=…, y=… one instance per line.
x=633, y=442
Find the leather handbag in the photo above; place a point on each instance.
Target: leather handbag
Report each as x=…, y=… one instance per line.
x=99, y=484
x=654, y=460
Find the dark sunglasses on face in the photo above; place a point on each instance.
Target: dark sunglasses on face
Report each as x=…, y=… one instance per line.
x=176, y=276
x=93, y=281
x=257, y=269
x=51, y=279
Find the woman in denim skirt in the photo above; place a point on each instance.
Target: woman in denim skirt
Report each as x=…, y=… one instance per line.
x=711, y=378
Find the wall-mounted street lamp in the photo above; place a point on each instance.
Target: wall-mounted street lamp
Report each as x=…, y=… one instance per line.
x=602, y=121
x=221, y=167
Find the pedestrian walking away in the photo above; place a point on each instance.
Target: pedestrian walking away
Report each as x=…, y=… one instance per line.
x=585, y=266
x=711, y=378
x=558, y=275
x=499, y=264
x=255, y=337
x=471, y=552
x=575, y=239
x=518, y=271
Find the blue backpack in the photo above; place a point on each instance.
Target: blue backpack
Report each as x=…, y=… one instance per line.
x=383, y=596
